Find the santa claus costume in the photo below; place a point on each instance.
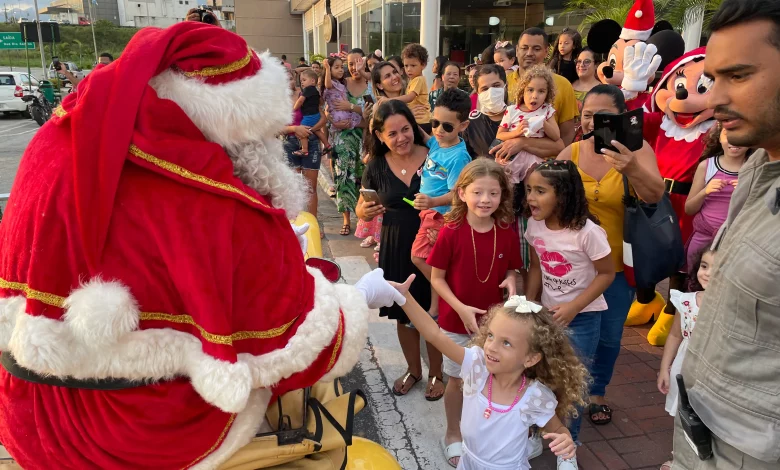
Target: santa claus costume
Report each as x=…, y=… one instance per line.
x=153, y=296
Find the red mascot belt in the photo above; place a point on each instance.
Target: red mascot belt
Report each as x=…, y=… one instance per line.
x=9, y=363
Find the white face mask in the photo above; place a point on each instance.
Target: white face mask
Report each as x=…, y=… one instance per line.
x=492, y=100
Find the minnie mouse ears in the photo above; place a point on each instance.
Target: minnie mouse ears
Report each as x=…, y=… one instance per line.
x=603, y=34
x=670, y=45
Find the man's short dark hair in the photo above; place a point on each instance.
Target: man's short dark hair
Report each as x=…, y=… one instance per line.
x=734, y=12
x=487, y=70
x=457, y=101
x=284, y=57
x=106, y=54
x=536, y=32
x=450, y=63
x=415, y=51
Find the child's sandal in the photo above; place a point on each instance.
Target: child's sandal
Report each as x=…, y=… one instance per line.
x=301, y=153
x=434, y=383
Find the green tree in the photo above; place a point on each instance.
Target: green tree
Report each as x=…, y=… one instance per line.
x=676, y=12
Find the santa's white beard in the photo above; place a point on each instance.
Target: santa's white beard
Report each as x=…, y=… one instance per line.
x=263, y=167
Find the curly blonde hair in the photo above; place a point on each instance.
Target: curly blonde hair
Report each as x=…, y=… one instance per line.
x=479, y=168
x=559, y=368
x=537, y=71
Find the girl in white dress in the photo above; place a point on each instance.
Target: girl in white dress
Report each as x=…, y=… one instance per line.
x=687, y=304
x=520, y=371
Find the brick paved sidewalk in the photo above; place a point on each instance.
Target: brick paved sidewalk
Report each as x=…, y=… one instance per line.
x=640, y=434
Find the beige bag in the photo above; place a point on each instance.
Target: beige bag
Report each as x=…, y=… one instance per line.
x=321, y=444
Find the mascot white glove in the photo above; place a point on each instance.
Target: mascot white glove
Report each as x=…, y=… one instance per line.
x=300, y=232
x=377, y=291
x=640, y=62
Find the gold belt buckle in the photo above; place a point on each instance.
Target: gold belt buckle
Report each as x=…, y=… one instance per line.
x=670, y=183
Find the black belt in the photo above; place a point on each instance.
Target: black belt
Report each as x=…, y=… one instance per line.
x=8, y=362
x=677, y=187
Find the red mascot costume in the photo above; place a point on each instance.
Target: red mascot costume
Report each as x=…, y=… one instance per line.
x=678, y=109
x=153, y=295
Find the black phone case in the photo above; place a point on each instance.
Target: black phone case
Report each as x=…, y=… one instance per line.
x=625, y=128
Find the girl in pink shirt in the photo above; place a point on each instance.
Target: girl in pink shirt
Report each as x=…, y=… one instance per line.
x=571, y=262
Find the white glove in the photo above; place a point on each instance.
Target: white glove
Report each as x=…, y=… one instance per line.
x=377, y=291
x=300, y=232
x=640, y=63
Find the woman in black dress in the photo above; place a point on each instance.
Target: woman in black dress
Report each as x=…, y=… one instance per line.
x=397, y=153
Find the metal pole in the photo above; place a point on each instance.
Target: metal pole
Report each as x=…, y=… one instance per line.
x=92, y=23
x=40, y=39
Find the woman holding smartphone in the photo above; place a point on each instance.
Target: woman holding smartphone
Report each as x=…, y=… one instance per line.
x=397, y=153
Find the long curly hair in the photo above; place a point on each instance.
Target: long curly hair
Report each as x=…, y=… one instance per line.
x=559, y=368
x=480, y=168
x=572, y=210
x=537, y=71
x=557, y=58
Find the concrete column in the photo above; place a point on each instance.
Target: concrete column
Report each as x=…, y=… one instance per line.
x=306, y=44
x=429, y=33
x=384, y=51
x=355, y=26
x=692, y=30
x=316, y=39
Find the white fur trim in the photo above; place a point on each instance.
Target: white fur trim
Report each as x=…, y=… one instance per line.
x=65, y=349
x=105, y=311
x=315, y=334
x=236, y=112
x=629, y=34
x=355, y=311
x=673, y=131
x=245, y=427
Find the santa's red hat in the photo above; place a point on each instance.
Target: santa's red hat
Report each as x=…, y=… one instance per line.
x=639, y=22
x=671, y=69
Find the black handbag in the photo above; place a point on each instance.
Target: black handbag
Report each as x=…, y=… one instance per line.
x=652, y=242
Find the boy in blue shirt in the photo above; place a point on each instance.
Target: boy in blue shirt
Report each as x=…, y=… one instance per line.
x=446, y=158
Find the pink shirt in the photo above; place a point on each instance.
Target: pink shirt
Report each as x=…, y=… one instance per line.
x=566, y=257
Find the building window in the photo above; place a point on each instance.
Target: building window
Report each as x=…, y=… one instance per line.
x=371, y=26
x=402, y=26
x=345, y=32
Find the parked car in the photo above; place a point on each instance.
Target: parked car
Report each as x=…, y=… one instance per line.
x=72, y=67
x=13, y=86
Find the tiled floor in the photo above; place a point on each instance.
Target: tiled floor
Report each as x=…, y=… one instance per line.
x=640, y=434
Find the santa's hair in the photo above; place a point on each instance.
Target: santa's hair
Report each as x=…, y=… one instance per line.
x=245, y=116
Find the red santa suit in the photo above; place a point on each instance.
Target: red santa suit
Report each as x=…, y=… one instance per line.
x=132, y=256
x=677, y=149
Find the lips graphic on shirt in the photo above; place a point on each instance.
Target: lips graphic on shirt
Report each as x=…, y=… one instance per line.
x=554, y=263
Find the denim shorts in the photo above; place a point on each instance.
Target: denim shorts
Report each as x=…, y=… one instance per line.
x=305, y=162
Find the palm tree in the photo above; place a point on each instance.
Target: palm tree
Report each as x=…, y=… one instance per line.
x=676, y=12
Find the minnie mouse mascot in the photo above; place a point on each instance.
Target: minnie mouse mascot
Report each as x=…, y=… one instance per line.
x=678, y=110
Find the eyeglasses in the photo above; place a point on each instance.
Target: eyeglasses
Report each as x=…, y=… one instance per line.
x=584, y=62
x=446, y=125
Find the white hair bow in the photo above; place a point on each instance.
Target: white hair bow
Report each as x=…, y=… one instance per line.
x=522, y=305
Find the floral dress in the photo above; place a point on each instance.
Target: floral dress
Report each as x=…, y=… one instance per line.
x=347, y=166
x=685, y=302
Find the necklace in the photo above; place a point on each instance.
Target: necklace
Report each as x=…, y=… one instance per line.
x=403, y=170
x=493, y=260
x=489, y=410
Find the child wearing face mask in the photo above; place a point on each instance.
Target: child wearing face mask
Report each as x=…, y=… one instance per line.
x=687, y=305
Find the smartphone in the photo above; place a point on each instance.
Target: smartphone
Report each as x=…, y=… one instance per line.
x=55, y=62
x=368, y=99
x=625, y=128
x=369, y=195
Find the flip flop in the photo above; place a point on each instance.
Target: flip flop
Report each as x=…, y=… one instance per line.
x=431, y=383
x=451, y=451
x=594, y=409
x=407, y=376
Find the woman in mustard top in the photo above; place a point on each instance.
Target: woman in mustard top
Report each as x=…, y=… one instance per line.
x=602, y=175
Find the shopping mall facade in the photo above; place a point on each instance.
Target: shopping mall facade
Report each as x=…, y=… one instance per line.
x=459, y=29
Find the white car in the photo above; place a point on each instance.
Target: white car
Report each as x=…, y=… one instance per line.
x=14, y=85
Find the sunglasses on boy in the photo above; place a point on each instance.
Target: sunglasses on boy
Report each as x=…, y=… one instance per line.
x=446, y=125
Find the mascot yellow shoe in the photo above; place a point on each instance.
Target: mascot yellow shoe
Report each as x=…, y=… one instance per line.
x=639, y=314
x=658, y=333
